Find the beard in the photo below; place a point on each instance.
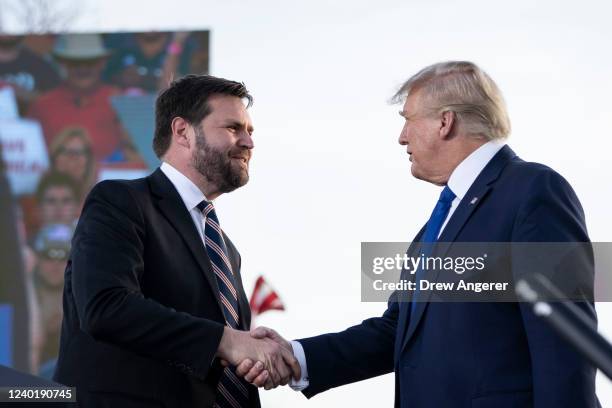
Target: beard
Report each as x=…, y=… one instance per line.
x=217, y=167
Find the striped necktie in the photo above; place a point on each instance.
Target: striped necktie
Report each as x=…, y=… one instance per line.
x=232, y=392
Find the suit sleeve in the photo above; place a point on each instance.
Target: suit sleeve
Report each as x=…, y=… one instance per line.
x=358, y=353
x=552, y=213
x=107, y=268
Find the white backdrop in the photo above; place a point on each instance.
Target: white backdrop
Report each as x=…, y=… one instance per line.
x=327, y=171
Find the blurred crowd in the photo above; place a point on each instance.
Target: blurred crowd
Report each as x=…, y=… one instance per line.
x=66, y=84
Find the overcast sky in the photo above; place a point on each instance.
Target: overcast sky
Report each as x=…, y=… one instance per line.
x=327, y=171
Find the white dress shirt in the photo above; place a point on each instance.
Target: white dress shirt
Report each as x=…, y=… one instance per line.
x=464, y=175
x=190, y=194
x=460, y=181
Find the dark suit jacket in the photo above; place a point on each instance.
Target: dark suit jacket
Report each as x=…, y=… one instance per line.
x=142, y=314
x=469, y=354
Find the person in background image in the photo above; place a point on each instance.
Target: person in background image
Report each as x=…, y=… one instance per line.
x=199, y=52
x=57, y=197
x=30, y=261
x=70, y=153
x=72, y=174
x=52, y=246
x=149, y=64
x=82, y=99
x=57, y=208
x=27, y=73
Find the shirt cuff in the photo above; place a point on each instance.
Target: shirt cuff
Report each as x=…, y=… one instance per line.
x=298, y=352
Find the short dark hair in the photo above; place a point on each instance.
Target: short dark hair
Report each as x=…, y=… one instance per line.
x=187, y=97
x=56, y=179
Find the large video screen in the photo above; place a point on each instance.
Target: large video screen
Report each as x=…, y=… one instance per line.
x=74, y=109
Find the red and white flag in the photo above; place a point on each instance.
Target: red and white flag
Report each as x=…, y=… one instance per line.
x=264, y=298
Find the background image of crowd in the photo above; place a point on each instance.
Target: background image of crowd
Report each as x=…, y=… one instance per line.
x=74, y=109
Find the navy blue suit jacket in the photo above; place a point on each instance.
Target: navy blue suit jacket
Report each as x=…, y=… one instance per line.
x=485, y=355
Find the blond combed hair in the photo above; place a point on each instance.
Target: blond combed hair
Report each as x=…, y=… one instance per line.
x=465, y=89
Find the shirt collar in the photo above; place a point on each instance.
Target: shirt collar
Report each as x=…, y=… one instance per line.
x=464, y=175
x=189, y=192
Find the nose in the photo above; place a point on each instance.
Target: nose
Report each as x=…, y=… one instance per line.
x=403, y=137
x=246, y=140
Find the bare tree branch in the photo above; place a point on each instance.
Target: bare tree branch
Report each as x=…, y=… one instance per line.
x=40, y=16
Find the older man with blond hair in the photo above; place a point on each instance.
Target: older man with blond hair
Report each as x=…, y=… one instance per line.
x=465, y=354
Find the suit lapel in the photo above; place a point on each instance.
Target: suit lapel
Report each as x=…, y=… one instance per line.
x=404, y=297
x=462, y=214
x=470, y=202
x=173, y=208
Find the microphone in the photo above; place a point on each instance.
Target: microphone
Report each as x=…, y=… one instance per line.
x=569, y=321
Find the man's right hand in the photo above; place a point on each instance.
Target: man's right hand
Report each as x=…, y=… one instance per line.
x=246, y=350
x=253, y=373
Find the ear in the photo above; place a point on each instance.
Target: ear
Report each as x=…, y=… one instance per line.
x=180, y=131
x=447, y=122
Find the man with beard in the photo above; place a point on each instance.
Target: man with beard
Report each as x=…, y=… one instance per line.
x=154, y=308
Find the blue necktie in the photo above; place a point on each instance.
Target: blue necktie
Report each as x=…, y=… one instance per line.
x=436, y=220
x=231, y=390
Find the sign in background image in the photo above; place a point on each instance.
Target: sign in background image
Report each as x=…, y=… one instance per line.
x=24, y=154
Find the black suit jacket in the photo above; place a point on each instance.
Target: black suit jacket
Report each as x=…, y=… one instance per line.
x=142, y=314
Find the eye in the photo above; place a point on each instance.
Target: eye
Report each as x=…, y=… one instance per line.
x=233, y=128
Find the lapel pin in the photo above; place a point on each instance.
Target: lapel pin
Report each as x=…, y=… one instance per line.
x=473, y=200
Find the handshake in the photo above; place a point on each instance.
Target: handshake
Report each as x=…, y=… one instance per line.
x=262, y=357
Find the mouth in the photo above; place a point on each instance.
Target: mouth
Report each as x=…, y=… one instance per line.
x=242, y=160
